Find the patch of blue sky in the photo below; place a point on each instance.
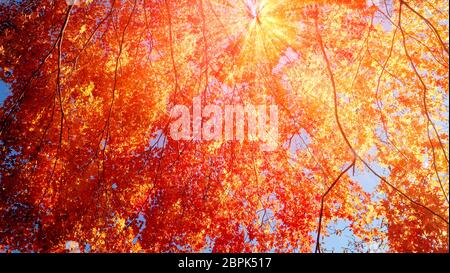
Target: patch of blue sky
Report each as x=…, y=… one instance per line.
x=87, y=248
x=4, y=92
x=369, y=181
x=158, y=139
x=298, y=142
x=342, y=239
x=141, y=223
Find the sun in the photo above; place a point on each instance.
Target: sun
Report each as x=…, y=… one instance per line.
x=268, y=31
x=254, y=9
x=264, y=29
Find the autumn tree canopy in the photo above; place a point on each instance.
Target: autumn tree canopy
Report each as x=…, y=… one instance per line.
x=86, y=156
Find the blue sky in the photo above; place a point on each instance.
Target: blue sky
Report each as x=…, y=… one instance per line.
x=4, y=91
